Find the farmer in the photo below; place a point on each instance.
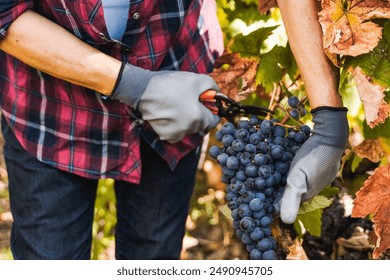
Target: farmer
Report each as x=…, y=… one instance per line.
x=318, y=160
x=97, y=89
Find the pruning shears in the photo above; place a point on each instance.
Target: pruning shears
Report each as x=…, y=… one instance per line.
x=224, y=106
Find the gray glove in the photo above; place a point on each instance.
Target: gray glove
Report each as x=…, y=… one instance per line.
x=168, y=100
x=317, y=162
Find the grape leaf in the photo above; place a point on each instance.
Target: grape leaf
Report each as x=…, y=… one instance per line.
x=373, y=149
x=376, y=109
x=355, y=163
x=373, y=198
x=329, y=191
x=271, y=67
x=235, y=75
x=250, y=45
x=375, y=64
x=266, y=5
x=317, y=202
x=346, y=26
x=381, y=130
x=311, y=222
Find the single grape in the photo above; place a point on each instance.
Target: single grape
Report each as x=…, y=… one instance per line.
x=264, y=244
x=259, y=184
x=265, y=221
x=277, y=151
x=219, y=135
x=246, y=238
x=243, y=124
x=250, y=148
x=214, y=151
x=240, y=175
x=227, y=128
x=253, y=121
x=222, y=158
x=279, y=131
x=258, y=215
x=257, y=234
x=244, y=210
x=300, y=137
x=293, y=101
x=254, y=138
x=269, y=255
x=247, y=224
x=242, y=134
x=267, y=127
x=251, y=170
x=227, y=140
x=256, y=204
x=265, y=171
x=260, y=159
x=256, y=254
x=232, y=162
x=294, y=113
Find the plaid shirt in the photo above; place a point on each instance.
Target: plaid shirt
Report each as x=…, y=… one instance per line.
x=72, y=128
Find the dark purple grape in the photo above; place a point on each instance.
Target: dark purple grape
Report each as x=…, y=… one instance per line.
x=293, y=101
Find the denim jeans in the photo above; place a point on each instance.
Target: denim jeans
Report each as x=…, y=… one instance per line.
x=53, y=210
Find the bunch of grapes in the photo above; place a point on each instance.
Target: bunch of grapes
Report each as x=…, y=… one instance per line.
x=255, y=157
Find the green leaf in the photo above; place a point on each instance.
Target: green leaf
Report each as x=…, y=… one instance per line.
x=376, y=63
x=250, y=45
x=312, y=222
x=317, y=202
x=380, y=130
x=329, y=191
x=355, y=163
x=270, y=69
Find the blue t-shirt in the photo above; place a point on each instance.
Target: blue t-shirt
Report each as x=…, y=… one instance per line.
x=116, y=15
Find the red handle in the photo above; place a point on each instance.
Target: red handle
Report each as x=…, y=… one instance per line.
x=208, y=100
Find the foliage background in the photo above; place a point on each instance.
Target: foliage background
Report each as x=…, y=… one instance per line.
x=259, y=68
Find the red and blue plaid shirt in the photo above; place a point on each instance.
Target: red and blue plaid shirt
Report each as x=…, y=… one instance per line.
x=73, y=128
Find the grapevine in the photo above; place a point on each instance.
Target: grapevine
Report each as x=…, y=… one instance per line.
x=255, y=157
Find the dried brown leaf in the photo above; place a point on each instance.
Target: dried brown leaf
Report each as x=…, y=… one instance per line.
x=296, y=252
x=372, y=149
x=266, y=5
x=235, y=75
x=346, y=27
x=383, y=114
x=376, y=109
x=374, y=198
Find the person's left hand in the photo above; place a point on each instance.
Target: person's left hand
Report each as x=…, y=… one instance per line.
x=317, y=162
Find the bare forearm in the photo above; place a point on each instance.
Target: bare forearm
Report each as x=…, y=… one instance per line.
x=48, y=47
x=305, y=37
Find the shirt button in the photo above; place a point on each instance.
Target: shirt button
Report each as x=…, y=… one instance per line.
x=136, y=16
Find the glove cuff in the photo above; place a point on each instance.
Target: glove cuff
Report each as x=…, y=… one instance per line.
x=118, y=79
x=131, y=84
x=329, y=108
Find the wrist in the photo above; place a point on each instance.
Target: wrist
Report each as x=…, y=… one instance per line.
x=131, y=84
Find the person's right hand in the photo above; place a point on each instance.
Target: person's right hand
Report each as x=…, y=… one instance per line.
x=168, y=100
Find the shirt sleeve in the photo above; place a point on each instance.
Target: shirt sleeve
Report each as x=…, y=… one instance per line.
x=11, y=10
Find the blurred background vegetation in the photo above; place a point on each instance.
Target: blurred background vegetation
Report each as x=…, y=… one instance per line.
x=209, y=231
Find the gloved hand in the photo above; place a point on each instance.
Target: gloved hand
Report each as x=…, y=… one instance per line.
x=317, y=162
x=168, y=100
